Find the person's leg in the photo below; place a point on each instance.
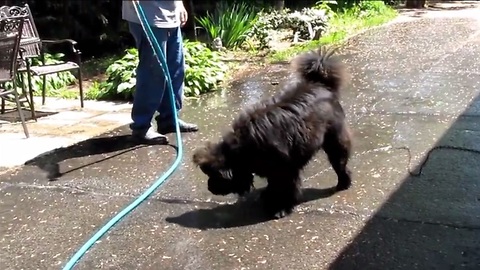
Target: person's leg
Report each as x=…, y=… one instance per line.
x=176, y=65
x=149, y=84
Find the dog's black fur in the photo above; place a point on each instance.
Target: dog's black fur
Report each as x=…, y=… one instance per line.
x=277, y=137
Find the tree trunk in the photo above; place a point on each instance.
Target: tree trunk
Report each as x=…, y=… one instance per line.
x=279, y=5
x=415, y=3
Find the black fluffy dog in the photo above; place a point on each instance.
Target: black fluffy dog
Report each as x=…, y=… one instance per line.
x=277, y=137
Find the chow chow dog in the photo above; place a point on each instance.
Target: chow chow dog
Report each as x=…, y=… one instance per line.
x=277, y=137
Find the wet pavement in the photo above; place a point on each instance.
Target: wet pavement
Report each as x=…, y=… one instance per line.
x=416, y=85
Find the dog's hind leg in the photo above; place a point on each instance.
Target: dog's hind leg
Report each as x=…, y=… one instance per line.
x=337, y=145
x=282, y=193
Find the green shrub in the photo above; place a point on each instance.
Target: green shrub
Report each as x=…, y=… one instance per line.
x=344, y=19
x=308, y=23
x=229, y=22
x=204, y=72
x=372, y=8
x=204, y=69
x=120, y=82
x=329, y=6
x=262, y=30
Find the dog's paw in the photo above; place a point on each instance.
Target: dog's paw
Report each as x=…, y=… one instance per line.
x=275, y=213
x=344, y=183
x=341, y=187
x=281, y=214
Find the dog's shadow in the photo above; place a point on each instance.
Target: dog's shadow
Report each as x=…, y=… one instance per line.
x=246, y=211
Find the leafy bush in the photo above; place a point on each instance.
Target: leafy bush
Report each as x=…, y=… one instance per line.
x=267, y=23
x=372, y=8
x=120, y=82
x=344, y=19
x=204, y=71
x=229, y=22
x=327, y=6
x=307, y=23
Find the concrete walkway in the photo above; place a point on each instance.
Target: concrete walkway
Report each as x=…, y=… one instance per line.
x=66, y=124
x=416, y=86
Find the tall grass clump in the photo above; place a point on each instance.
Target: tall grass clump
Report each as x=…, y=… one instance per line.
x=230, y=22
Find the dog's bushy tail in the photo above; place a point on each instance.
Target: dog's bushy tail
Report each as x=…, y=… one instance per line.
x=321, y=66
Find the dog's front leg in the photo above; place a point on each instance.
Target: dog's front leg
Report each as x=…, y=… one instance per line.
x=243, y=182
x=281, y=194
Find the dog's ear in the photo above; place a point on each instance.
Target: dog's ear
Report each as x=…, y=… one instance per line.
x=203, y=155
x=205, y=158
x=230, y=143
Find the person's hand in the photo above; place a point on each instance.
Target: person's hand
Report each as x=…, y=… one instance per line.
x=183, y=15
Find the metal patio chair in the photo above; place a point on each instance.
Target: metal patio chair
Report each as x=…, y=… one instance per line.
x=33, y=46
x=10, y=34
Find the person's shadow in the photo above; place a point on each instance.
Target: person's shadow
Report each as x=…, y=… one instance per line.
x=246, y=211
x=114, y=142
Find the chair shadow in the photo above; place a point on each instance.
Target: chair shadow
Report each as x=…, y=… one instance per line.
x=11, y=115
x=246, y=211
x=116, y=144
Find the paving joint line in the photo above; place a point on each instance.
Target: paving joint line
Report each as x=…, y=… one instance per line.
x=433, y=223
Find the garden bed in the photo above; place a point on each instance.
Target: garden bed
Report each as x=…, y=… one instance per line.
x=233, y=47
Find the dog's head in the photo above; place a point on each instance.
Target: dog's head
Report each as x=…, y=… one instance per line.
x=224, y=176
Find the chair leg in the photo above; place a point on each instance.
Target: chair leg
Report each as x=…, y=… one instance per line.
x=44, y=89
x=80, y=86
x=30, y=90
x=28, y=96
x=2, y=102
x=20, y=113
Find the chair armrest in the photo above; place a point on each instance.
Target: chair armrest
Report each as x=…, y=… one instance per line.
x=59, y=41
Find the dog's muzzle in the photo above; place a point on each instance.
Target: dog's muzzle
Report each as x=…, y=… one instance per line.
x=219, y=186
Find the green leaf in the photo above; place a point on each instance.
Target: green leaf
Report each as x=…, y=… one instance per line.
x=124, y=86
